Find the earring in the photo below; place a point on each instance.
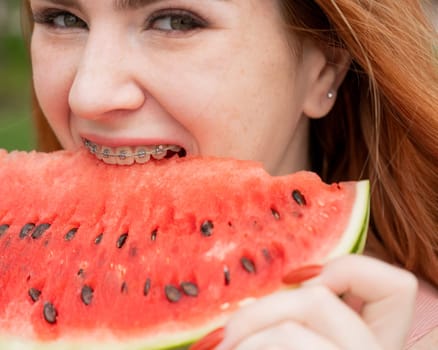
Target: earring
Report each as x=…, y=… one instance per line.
x=331, y=94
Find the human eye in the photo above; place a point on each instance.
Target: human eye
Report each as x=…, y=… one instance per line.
x=175, y=21
x=58, y=19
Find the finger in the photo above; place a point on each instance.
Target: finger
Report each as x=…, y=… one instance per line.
x=286, y=336
x=388, y=294
x=316, y=307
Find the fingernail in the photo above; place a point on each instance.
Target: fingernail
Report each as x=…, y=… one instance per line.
x=302, y=274
x=210, y=341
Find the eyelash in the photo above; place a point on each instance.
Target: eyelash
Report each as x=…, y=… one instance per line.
x=196, y=21
x=48, y=16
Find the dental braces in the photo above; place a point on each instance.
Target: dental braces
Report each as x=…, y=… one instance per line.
x=123, y=154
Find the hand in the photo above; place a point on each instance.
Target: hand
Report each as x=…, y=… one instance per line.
x=315, y=317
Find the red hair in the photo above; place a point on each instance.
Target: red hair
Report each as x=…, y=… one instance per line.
x=384, y=125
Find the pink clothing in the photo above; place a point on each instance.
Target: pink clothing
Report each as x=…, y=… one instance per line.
x=426, y=313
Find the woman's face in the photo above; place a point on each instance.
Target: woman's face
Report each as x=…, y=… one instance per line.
x=213, y=77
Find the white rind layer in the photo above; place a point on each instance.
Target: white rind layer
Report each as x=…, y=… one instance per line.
x=177, y=341
x=351, y=241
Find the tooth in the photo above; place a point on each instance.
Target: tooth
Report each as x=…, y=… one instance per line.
x=98, y=152
x=174, y=148
x=159, y=152
x=124, y=156
x=108, y=155
x=99, y=155
x=159, y=156
x=141, y=155
x=92, y=147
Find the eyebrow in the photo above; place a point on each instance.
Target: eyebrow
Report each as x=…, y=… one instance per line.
x=118, y=5
x=123, y=5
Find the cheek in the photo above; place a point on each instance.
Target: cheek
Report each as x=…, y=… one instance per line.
x=52, y=77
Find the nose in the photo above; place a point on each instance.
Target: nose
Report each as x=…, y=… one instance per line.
x=104, y=81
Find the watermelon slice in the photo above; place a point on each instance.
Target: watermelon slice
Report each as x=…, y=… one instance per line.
x=155, y=256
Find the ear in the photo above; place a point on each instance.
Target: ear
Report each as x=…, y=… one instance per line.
x=328, y=69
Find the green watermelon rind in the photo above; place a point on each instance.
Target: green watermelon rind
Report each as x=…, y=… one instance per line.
x=353, y=241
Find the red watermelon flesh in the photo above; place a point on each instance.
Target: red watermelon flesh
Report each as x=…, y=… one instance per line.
x=156, y=255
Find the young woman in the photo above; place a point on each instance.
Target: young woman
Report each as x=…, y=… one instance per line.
x=346, y=88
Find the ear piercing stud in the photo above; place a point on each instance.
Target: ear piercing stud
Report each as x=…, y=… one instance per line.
x=331, y=94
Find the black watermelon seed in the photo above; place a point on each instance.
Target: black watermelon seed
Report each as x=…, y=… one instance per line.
x=227, y=277
x=190, y=289
x=121, y=240
x=3, y=229
x=50, y=313
x=299, y=198
x=154, y=235
x=26, y=230
x=172, y=293
x=98, y=239
x=147, y=287
x=133, y=251
x=207, y=228
x=39, y=230
x=34, y=294
x=248, y=265
x=275, y=214
x=87, y=294
x=81, y=273
x=124, y=288
x=71, y=234
x=266, y=254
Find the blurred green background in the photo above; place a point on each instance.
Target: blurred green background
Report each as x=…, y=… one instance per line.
x=15, y=121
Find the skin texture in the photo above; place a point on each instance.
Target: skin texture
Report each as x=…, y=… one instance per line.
x=236, y=86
